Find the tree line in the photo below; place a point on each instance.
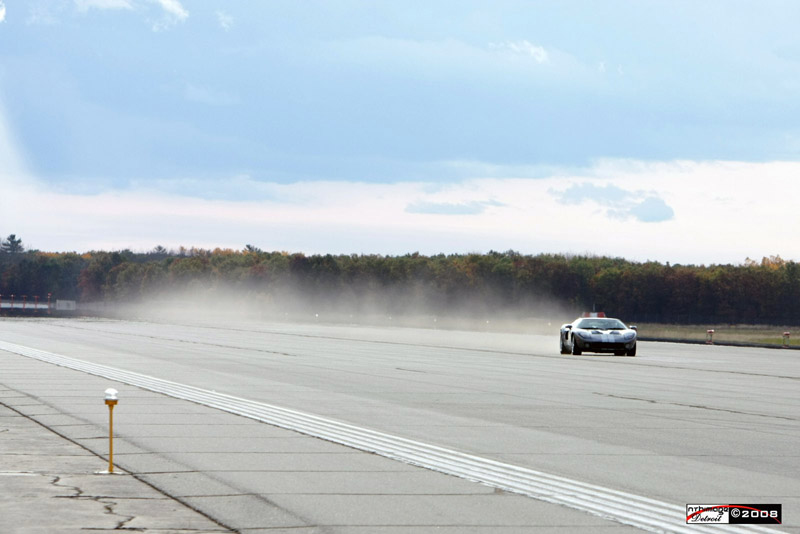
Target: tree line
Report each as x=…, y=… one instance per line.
x=468, y=284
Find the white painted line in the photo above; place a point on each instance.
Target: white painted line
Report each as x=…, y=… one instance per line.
x=641, y=512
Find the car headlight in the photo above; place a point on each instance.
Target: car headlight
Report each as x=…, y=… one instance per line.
x=584, y=335
x=630, y=336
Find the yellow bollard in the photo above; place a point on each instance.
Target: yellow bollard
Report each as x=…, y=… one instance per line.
x=111, y=401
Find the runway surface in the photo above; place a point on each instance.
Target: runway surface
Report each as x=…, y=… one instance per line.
x=677, y=424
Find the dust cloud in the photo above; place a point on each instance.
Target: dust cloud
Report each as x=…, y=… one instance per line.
x=390, y=306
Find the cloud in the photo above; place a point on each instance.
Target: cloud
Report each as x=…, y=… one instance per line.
x=85, y=5
x=225, y=20
x=2, y=11
x=174, y=8
x=522, y=48
x=12, y=161
x=448, y=208
x=174, y=13
x=621, y=203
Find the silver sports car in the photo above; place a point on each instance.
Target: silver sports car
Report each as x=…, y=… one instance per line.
x=598, y=334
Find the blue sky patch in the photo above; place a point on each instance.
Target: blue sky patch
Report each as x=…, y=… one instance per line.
x=448, y=208
x=619, y=203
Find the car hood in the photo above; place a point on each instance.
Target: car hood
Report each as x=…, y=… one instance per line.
x=605, y=332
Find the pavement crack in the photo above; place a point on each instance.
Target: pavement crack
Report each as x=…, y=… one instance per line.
x=110, y=507
x=56, y=481
x=411, y=370
x=697, y=406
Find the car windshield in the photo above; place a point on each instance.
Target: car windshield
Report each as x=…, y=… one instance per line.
x=600, y=324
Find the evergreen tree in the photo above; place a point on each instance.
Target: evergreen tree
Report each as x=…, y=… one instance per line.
x=11, y=245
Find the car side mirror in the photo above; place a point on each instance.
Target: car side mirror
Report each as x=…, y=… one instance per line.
x=567, y=327
x=634, y=327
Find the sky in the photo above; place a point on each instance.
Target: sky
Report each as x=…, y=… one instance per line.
x=644, y=129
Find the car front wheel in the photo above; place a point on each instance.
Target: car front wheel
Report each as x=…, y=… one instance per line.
x=576, y=350
x=632, y=352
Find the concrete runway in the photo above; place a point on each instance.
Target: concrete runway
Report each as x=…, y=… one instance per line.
x=678, y=423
